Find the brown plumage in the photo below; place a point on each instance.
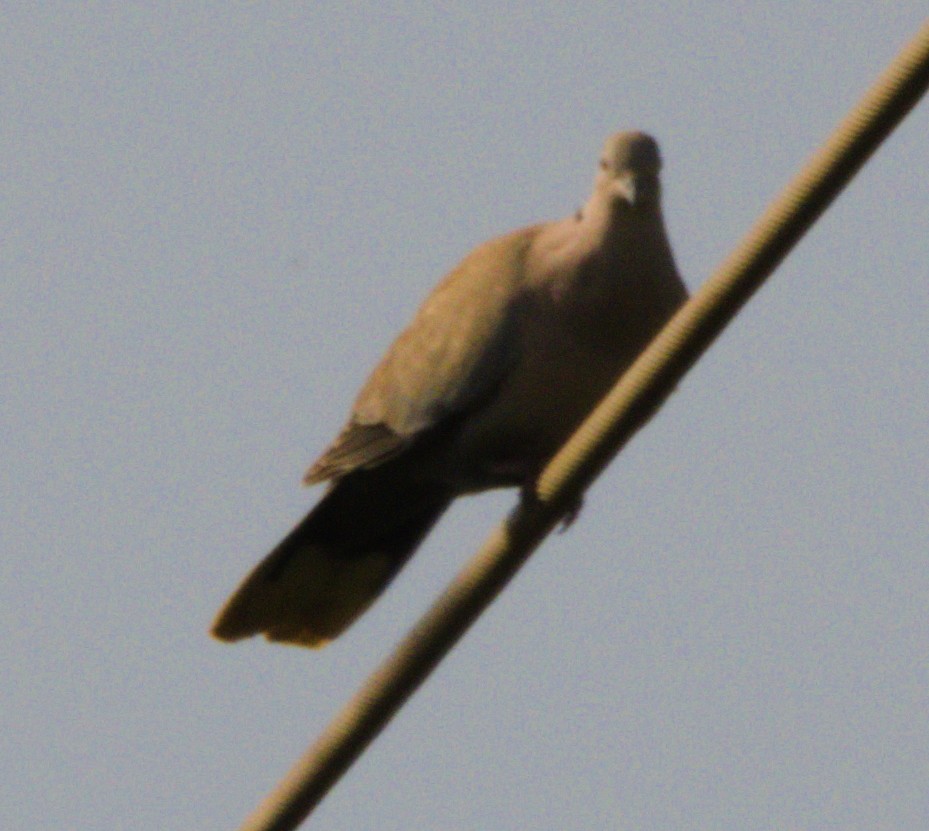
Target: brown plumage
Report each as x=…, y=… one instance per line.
x=498, y=367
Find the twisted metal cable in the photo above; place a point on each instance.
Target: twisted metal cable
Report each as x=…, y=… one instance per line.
x=638, y=394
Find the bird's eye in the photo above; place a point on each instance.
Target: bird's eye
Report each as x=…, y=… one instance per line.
x=604, y=164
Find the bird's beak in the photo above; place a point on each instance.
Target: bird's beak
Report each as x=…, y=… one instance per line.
x=626, y=187
x=636, y=188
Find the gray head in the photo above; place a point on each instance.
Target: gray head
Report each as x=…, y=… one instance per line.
x=629, y=167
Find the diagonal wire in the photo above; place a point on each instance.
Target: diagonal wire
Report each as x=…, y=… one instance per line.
x=632, y=401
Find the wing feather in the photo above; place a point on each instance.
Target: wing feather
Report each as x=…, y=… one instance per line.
x=454, y=353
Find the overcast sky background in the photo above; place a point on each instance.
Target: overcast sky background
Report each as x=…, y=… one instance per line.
x=213, y=219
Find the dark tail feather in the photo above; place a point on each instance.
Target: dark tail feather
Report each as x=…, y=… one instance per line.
x=335, y=563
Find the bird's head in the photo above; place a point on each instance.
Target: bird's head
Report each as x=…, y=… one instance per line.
x=629, y=167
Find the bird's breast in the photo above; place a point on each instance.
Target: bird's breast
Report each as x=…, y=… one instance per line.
x=567, y=362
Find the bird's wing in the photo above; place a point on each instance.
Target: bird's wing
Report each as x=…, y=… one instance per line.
x=455, y=351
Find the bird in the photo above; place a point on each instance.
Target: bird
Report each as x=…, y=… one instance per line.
x=499, y=365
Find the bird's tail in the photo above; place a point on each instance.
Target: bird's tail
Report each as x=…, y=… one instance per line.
x=335, y=563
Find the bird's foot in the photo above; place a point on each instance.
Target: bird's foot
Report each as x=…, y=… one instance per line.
x=528, y=495
x=571, y=514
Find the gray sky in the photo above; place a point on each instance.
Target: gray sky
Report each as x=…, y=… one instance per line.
x=215, y=216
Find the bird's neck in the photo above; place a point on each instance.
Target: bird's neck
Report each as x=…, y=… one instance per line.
x=622, y=234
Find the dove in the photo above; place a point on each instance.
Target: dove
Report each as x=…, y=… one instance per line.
x=498, y=367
